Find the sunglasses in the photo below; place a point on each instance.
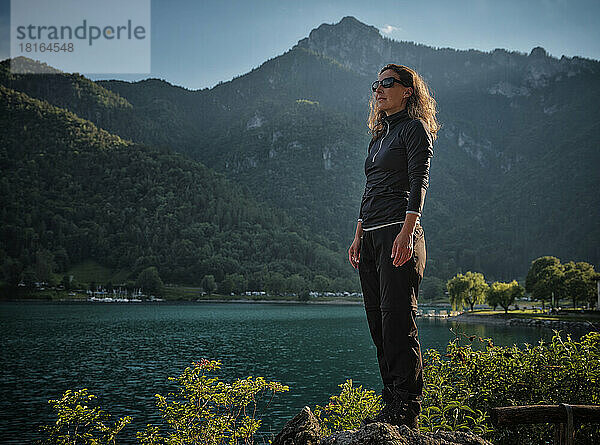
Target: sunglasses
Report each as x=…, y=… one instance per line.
x=388, y=82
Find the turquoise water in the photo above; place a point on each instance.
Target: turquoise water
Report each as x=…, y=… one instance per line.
x=124, y=354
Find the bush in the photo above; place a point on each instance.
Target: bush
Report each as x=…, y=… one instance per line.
x=475, y=375
x=204, y=411
x=346, y=410
x=209, y=411
x=441, y=411
x=486, y=376
x=78, y=423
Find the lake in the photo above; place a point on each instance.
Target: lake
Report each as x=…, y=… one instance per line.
x=124, y=354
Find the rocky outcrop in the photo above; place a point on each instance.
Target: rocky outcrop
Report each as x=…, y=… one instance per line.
x=304, y=430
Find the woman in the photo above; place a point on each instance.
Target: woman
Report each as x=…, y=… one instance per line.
x=389, y=245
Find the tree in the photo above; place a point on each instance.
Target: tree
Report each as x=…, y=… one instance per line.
x=30, y=277
x=149, y=280
x=66, y=282
x=457, y=288
x=13, y=271
x=321, y=283
x=579, y=282
x=296, y=283
x=226, y=286
x=544, y=279
x=61, y=259
x=304, y=295
x=432, y=288
x=504, y=294
x=469, y=288
x=274, y=283
x=239, y=283
x=208, y=284
x=44, y=265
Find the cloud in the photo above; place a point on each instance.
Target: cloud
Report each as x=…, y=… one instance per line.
x=388, y=29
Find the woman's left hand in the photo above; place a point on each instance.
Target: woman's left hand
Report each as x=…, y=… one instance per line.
x=402, y=248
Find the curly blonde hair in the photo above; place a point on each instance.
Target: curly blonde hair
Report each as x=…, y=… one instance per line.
x=420, y=104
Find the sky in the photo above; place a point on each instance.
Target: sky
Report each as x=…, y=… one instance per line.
x=197, y=43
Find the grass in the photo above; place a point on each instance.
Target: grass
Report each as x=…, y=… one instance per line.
x=91, y=271
x=564, y=315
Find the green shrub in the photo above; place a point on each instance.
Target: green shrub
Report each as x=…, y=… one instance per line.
x=440, y=411
x=208, y=411
x=485, y=376
x=78, y=423
x=475, y=375
x=346, y=410
x=204, y=411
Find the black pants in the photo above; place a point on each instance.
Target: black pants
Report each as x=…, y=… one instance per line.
x=390, y=297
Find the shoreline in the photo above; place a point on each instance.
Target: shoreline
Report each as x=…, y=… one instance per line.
x=341, y=302
x=217, y=300
x=222, y=300
x=583, y=325
x=37, y=300
x=530, y=322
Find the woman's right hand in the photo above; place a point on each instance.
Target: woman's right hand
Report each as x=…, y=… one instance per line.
x=354, y=252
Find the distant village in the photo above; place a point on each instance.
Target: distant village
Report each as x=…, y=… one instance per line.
x=118, y=294
x=121, y=294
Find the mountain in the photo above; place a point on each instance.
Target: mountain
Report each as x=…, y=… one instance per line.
x=512, y=169
x=74, y=192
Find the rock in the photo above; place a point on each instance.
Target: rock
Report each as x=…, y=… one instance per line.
x=384, y=434
x=304, y=430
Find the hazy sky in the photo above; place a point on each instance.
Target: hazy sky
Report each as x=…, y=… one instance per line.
x=196, y=44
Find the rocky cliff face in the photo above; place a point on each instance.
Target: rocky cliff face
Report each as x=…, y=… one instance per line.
x=363, y=49
x=354, y=44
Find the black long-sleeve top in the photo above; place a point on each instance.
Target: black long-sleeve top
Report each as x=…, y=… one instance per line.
x=397, y=171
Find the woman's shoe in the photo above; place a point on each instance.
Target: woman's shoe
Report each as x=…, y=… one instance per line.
x=401, y=410
x=411, y=416
x=387, y=397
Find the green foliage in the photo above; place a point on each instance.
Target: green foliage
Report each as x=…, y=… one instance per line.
x=443, y=409
x=468, y=289
x=89, y=270
x=446, y=407
x=205, y=411
x=580, y=282
x=542, y=278
x=12, y=271
x=71, y=192
x=78, y=423
x=208, y=284
x=561, y=371
x=149, y=280
x=432, y=289
x=346, y=410
x=504, y=294
x=208, y=411
x=548, y=277
x=469, y=379
x=304, y=295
